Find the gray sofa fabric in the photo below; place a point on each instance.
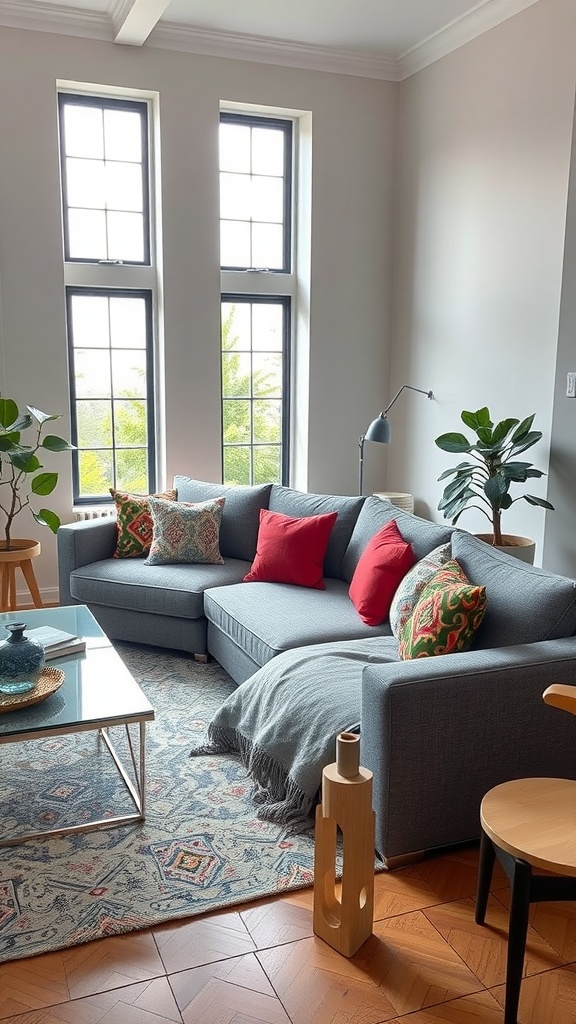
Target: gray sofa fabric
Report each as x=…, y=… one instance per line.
x=176, y=590
x=523, y=605
x=264, y=620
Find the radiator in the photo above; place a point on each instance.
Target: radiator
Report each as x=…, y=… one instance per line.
x=94, y=513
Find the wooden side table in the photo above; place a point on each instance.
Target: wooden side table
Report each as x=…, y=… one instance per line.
x=20, y=557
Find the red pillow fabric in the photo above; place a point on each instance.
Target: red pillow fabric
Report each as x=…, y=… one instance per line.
x=382, y=565
x=291, y=550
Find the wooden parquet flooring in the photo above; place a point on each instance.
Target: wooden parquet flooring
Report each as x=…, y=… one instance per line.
x=260, y=963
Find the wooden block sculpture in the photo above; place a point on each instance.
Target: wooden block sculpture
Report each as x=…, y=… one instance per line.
x=345, y=923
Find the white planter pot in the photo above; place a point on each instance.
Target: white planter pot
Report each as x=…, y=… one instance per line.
x=518, y=547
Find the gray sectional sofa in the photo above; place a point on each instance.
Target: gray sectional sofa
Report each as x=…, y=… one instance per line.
x=436, y=732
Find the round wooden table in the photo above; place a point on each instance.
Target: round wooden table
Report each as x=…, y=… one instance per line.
x=526, y=824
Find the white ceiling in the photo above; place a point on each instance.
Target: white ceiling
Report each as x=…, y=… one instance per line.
x=375, y=38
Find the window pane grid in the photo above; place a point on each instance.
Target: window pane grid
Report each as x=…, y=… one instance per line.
x=255, y=333
x=105, y=186
x=255, y=192
x=111, y=389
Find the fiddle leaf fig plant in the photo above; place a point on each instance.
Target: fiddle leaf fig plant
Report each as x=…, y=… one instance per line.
x=20, y=463
x=484, y=482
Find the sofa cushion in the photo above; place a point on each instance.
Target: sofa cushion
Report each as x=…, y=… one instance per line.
x=384, y=562
x=525, y=604
x=239, y=527
x=291, y=550
x=185, y=532
x=264, y=619
x=374, y=514
x=410, y=588
x=300, y=503
x=134, y=522
x=176, y=590
x=446, y=616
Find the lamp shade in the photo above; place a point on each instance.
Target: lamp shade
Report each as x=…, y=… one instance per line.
x=379, y=430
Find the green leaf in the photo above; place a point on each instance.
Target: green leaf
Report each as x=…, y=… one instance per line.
x=57, y=444
x=7, y=442
x=533, y=500
x=505, y=503
x=458, y=486
x=457, y=505
x=9, y=412
x=523, y=429
x=47, y=518
x=22, y=423
x=502, y=429
x=42, y=417
x=475, y=420
x=495, y=488
x=44, y=483
x=25, y=461
x=485, y=436
x=463, y=469
x=453, y=442
x=529, y=439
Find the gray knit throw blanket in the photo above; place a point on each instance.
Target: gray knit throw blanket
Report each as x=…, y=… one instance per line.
x=283, y=722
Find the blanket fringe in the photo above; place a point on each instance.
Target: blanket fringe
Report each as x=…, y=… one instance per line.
x=278, y=797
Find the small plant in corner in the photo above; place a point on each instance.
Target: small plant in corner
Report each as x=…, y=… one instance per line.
x=19, y=462
x=484, y=483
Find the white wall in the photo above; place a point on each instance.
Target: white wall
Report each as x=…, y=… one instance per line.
x=484, y=155
x=353, y=161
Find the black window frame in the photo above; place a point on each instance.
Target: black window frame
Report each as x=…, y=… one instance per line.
x=106, y=103
x=146, y=294
x=286, y=126
x=260, y=299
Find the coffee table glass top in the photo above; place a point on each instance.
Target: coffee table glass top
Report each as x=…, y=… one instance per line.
x=98, y=690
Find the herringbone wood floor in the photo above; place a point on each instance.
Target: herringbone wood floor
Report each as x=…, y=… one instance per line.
x=426, y=963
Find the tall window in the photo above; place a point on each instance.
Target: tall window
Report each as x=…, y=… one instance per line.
x=257, y=286
x=110, y=282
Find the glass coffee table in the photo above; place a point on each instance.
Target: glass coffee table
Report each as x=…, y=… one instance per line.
x=98, y=692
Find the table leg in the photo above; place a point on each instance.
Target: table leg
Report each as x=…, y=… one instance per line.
x=28, y=571
x=485, y=868
x=517, y=931
x=12, y=586
x=5, y=582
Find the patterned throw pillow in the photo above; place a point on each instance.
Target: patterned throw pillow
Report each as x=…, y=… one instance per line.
x=410, y=588
x=185, y=531
x=134, y=522
x=446, y=616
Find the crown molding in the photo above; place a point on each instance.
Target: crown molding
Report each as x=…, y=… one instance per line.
x=46, y=17
x=486, y=15
x=171, y=36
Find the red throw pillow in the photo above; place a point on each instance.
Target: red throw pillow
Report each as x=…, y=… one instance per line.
x=291, y=550
x=382, y=565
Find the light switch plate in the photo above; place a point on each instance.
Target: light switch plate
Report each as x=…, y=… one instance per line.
x=571, y=385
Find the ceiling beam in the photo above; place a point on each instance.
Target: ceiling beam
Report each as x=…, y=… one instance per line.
x=133, y=20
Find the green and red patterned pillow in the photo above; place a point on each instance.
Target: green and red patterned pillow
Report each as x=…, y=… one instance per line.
x=446, y=616
x=134, y=522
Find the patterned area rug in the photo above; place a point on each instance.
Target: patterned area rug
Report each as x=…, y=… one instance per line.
x=201, y=847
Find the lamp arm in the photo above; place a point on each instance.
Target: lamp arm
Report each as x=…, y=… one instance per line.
x=361, y=462
x=428, y=394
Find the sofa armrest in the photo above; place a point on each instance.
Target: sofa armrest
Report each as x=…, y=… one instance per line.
x=438, y=733
x=80, y=544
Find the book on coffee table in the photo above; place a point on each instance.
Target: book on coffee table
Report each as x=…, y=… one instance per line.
x=57, y=642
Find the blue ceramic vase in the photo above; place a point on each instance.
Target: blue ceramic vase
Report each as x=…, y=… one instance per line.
x=21, y=660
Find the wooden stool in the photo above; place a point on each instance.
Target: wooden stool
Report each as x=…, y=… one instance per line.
x=20, y=557
x=346, y=802
x=526, y=824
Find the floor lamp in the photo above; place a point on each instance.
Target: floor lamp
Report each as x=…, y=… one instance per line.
x=381, y=431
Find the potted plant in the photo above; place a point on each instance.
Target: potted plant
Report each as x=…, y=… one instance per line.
x=19, y=466
x=484, y=482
